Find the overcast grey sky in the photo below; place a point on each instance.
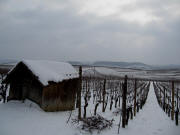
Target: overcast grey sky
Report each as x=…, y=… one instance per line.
x=88, y=30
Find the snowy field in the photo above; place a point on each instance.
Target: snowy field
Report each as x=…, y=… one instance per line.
x=17, y=118
x=133, y=73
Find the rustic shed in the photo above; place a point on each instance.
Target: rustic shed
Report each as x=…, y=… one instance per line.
x=52, y=85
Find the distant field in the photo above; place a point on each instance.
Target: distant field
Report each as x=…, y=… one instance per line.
x=171, y=74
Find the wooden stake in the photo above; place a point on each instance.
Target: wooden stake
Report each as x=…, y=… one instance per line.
x=79, y=92
x=164, y=100
x=124, y=102
x=135, y=89
x=172, y=112
x=177, y=110
x=85, y=106
x=177, y=100
x=95, y=110
x=104, y=93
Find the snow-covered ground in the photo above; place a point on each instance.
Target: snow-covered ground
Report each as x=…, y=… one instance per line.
x=133, y=73
x=17, y=118
x=151, y=120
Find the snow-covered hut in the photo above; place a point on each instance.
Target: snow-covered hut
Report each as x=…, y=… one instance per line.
x=52, y=85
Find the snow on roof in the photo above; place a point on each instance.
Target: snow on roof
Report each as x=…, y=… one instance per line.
x=51, y=70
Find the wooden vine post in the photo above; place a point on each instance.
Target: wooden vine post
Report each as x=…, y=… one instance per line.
x=160, y=97
x=135, y=91
x=177, y=100
x=177, y=110
x=164, y=102
x=172, y=112
x=104, y=93
x=124, y=102
x=79, y=92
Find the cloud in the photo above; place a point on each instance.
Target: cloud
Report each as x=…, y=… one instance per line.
x=91, y=30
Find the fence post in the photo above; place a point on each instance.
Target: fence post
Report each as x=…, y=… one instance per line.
x=104, y=93
x=177, y=110
x=177, y=100
x=79, y=92
x=164, y=102
x=172, y=112
x=168, y=107
x=135, y=89
x=160, y=98
x=124, y=102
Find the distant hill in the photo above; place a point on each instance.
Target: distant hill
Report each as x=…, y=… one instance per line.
x=75, y=63
x=136, y=65
x=8, y=61
x=167, y=67
x=132, y=65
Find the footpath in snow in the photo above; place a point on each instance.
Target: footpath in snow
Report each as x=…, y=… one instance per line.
x=17, y=118
x=151, y=120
